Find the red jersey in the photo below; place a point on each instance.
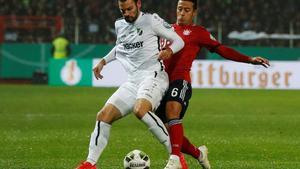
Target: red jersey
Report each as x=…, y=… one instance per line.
x=195, y=37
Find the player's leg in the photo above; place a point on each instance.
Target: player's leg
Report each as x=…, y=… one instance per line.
x=149, y=96
x=178, y=95
x=178, y=102
x=143, y=110
x=173, y=109
x=189, y=148
x=100, y=136
x=161, y=113
x=117, y=106
x=199, y=153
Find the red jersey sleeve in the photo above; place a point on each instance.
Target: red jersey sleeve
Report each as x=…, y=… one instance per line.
x=231, y=54
x=209, y=42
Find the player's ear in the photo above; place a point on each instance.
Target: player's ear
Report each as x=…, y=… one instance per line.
x=139, y=4
x=195, y=12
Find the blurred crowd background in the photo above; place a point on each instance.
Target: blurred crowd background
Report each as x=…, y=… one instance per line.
x=93, y=20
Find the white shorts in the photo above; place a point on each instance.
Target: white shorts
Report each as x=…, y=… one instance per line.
x=151, y=87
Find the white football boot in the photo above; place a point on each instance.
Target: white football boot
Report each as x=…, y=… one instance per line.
x=173, y=163
x=203, y=158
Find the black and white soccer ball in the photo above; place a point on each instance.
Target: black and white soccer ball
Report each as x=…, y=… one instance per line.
x=136, y=159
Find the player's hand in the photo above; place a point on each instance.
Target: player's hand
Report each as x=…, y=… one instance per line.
x=98, y=68
x=260, y=61
x=165, y=54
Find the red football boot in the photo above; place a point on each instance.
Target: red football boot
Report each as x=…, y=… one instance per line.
x=86, y=165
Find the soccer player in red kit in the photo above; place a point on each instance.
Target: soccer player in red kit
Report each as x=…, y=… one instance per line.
x=176, y=100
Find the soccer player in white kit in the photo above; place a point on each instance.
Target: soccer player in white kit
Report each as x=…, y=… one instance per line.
x=137, y=49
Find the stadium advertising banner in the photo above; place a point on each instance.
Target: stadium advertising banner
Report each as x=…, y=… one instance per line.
x=205, y=74
x=73, y=72
x=113, y=75
x=228, y=74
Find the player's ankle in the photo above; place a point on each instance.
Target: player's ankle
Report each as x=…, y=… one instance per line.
x=200, y=155
x=91, y=161
x=174, y=156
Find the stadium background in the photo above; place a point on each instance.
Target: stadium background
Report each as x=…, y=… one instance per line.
x=48, y=127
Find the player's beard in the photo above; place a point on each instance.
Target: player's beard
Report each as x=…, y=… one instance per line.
x=130, y=19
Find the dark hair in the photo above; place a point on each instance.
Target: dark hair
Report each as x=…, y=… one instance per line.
x=126, y=0
x=194, y=2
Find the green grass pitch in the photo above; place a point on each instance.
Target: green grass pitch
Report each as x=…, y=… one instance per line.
x=45, y=127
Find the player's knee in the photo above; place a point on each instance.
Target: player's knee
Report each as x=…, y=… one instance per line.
x=173, y=110
x=141, y=107
x=139, y=112
x=104, y=116
x=108, y=115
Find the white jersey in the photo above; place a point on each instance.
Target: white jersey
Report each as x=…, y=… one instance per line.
x=137, y=44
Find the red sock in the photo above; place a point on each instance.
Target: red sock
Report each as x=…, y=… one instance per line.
x=176, y=136
x=183, y=162
x=189, y=148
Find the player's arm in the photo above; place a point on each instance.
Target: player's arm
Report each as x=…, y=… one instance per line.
x=105, y=60
x=228, y=53
x=234, y=55
x=163, y=29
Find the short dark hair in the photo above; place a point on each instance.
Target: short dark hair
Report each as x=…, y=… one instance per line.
x=194, y=2
x=126, y=0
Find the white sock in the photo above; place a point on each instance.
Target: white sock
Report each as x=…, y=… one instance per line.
x=98, y=141
x=158, y=129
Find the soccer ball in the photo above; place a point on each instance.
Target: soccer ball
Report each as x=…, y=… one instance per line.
x=136, y=159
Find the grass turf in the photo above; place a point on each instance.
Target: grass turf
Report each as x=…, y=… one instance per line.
x=45, y=127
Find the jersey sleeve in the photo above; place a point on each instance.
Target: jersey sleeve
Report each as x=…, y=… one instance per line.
x=111, y=56
x=207, y=40
x=116, y=31
x=164, y=30
x=231, y=54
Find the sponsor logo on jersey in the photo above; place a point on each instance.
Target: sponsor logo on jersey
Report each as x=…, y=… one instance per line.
x=129, y=46
x=139, y=31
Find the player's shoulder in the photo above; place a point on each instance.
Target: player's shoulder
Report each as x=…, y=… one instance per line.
x=200, y=31
x=203, y=32
x=146, y=17
x=200, y=28
x=157, y=20
x=151, y=17
x=147, y=14
x=120, y=21
x=156, y=17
